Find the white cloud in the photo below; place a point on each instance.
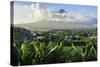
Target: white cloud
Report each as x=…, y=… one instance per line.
x=35, y=13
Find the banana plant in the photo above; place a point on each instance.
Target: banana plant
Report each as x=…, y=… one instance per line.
x=39, y=53
x=86, y=53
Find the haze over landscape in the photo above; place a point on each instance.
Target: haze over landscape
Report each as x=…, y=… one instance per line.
x=42, y=16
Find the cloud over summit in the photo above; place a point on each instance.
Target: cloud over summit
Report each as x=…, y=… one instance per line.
x=38, y=14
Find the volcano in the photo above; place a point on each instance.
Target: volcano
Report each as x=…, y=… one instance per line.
x=46, y=19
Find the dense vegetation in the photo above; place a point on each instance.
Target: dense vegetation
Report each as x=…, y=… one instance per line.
x=32, y=47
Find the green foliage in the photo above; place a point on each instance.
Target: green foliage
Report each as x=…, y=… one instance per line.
x=53, y=50
x=19, y=34
x=36, y=52
x=40, y=53
x=86, y=53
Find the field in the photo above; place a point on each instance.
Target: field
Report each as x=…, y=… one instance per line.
x=56, y=46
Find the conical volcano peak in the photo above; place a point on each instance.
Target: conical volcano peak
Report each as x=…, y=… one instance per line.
x=62, y=11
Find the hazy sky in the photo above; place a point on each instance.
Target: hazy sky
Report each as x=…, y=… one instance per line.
x=22, y=10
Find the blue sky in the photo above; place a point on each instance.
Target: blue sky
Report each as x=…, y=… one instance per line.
x=23, y=10
x=82, y=9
